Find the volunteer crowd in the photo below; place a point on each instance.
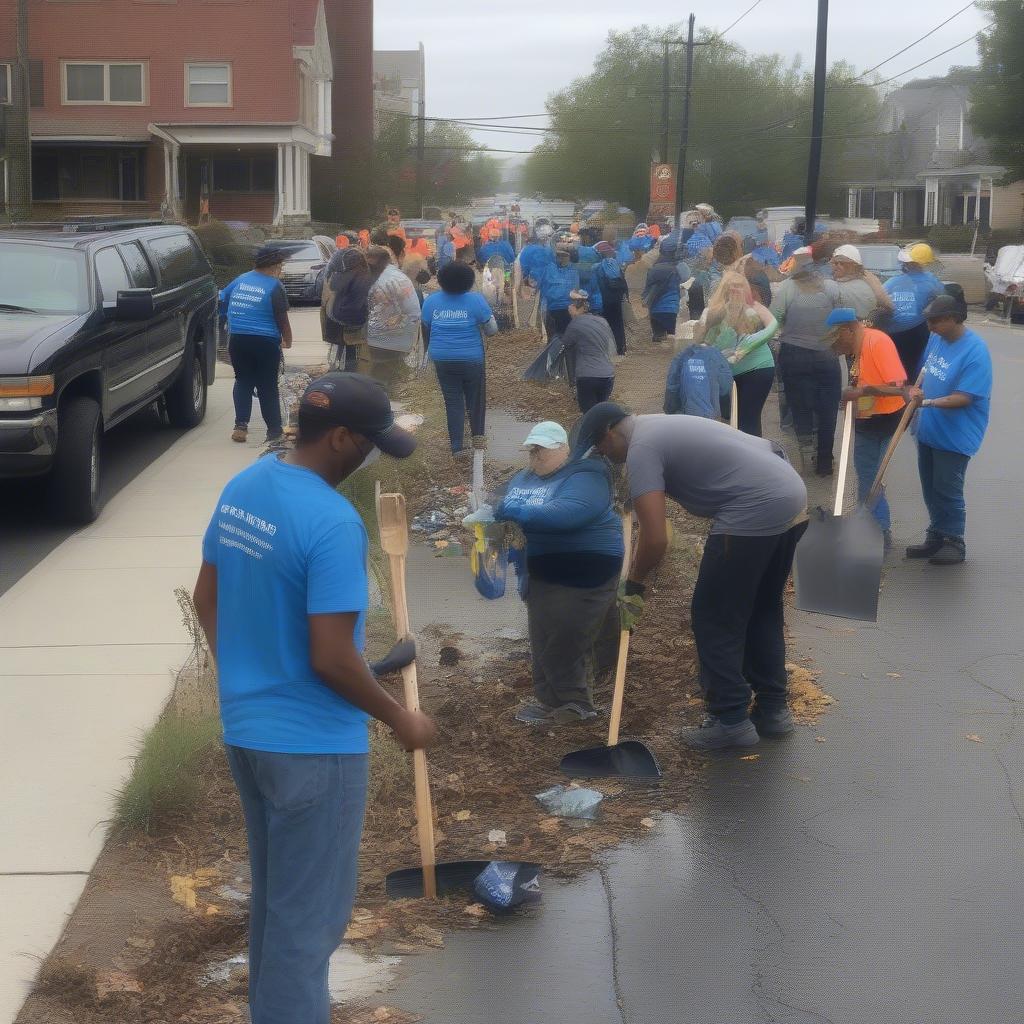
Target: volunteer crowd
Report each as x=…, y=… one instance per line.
x=283, y=590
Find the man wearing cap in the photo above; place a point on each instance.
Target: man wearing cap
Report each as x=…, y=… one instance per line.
x=757, y=502
x=282, y=596
x=858, y=288
x=954, y=397
x=877, y=388
x=256, y=308
x=588, y=342
x=556, y=282
x=911, y=291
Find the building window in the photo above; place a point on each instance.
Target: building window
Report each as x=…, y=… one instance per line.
x=5, y=83
x=244, y=174
x=89, y=172
x=208, y=85
x=112, y=83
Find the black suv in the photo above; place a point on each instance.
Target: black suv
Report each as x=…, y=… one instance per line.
x=97, y=320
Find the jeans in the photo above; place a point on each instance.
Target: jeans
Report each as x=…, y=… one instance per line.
x=565, y=624
x=868, y=449
x=591, y=390
x=256, y=361
x=556, y=321
x=304, y=819
x=752, y=390
x=613, y=315
x=463, y=384
x=737, y=620
x=662, y=324
x=942, y=486
x=910, y=344
x=387, y=366
x=813, y=382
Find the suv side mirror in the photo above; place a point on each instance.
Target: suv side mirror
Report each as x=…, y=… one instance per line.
x=135, y=304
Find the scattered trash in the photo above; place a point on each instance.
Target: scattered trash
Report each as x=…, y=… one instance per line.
x=463, y=816
x=475, y=910
x=409, y=421
x=498, y=837
x=648, y=822
x=503, y=885
x=819, y=739
x=223, y=971
x=894, y=675
x=571, y=801
x=430, y=522
x=750, y=757
x=974, y=737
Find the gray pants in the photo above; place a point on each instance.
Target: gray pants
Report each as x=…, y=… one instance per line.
x=565, y=623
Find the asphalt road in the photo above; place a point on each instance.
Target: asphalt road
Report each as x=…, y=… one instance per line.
x=864, y=871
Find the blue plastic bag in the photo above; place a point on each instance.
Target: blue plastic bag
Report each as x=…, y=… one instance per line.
x=504, y=884
x=489, y=564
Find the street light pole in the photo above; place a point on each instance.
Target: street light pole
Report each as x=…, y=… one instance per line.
x=817, y=122
x=16, y=139
x=684, y=136
x=666, y=81
x=421, y=132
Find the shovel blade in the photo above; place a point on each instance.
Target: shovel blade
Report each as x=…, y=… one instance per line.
x=629, y=759
x=838, y=565
x=453, y=877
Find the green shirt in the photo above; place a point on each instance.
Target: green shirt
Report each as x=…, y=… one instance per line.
x=752, y=348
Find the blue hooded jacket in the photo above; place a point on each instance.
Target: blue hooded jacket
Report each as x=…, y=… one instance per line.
x=589, y=261
x=697, y=380
x=533, y=259
x=499, y=247
x=556, y=283
x=568, y=513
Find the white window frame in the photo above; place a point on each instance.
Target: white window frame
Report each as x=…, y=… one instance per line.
x=6, y=77
x=211, y=64
x=106, y=101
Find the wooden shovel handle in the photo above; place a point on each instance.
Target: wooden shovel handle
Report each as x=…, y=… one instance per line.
x=905, y=419
x=844, y=458
x=734, y=408
x=620, y=668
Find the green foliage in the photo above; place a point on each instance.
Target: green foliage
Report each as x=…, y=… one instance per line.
x=749, y=126
x=951, y=238
x=165, y=779
x=453, y=173
x=997, y=110
x=226, y=254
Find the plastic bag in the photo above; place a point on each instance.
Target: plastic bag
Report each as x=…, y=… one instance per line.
x=488, y=562
x=503, y=884
x=571, y=801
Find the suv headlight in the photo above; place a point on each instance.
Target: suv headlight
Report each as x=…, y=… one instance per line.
x=22, y=394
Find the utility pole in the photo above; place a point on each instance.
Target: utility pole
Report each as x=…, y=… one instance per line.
x=17, y=139
x=421, y=133
x=817, y=122
x=684, y=135
x=666, y=84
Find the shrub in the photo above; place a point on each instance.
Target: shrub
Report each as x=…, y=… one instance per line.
x=228, y=256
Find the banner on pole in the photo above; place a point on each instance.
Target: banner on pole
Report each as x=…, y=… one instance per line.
x=663, y=190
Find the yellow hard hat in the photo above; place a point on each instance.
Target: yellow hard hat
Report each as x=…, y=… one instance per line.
x=922, y=254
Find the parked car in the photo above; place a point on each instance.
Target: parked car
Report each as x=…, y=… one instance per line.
x=1006, y=283
x=303, y=272
x=97, y=321
x=743, y=226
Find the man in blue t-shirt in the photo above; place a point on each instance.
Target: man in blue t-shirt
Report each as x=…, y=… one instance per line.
x=954, y=398
x=282, y=596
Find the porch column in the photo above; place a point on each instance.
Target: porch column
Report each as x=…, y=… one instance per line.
x=932, y=214
x=280, y=199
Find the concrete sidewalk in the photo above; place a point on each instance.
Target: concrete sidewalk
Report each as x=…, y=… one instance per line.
x=90, y=641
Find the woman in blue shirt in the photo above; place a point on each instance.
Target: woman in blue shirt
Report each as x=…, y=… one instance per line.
x=911, y=291
x=661, y=294
x=574, y=554
x=954, y=397
x=452, y=321
x=256, y=308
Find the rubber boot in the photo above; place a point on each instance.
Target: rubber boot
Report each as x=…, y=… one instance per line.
x=240, y=433
x=952, y=552
x=932, y=543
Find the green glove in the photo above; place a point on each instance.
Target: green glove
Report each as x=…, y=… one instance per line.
x=631, y=608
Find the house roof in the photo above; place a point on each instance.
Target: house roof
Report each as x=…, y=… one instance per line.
x=302, y=16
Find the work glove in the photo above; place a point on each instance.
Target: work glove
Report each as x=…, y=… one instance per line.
x=401, y=655
x=631, y=605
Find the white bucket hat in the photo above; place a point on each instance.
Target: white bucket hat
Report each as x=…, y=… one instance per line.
x=849, y=252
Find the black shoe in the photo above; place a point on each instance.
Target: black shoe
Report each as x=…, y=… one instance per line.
x=952, y=552
x=773, y=721
x=823, y=468
x=932, y=543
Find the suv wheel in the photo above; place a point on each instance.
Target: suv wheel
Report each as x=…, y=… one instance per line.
x=186, y=397
x=75, y=477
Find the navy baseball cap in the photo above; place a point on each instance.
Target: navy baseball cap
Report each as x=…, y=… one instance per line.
x=269, y=256
x=597, y=421
x=358, y=402
x=842, y=315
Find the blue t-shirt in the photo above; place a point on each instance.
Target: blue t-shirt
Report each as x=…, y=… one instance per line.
x=910, y=294
x=249, y=303
x=285, y=545
x=454, y=322
x=963, y=365
x=556, y=283
x=499, y=247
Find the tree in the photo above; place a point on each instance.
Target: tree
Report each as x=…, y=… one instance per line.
x=997, y=110
x=749, y=126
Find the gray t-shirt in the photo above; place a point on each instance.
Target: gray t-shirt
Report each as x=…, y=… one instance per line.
x=590, y=339
x=857, y=294
x=802, y=312
x=742, y=482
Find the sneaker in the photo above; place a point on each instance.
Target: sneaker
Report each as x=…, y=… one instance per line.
x=240, y=433
x=711, y=734
x=568, y=714
x=773, y=721
x=952, y=552
x=822, y=468
x=533, y=714
x=272, y=438
x=931, y=545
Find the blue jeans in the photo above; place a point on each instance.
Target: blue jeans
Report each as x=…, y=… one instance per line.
x=463, y=387
x=942, y=485
x=868, y=449
x=304, y=819
x=256, y=360
x=813, y=382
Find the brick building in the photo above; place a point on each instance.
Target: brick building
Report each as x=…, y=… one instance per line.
x=139, y=106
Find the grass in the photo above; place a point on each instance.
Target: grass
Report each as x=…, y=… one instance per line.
x=164, y=779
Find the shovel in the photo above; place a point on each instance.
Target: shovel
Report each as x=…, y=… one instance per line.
x=838, y=562
x=734, y=408
x=431, y=879
x=629, y=759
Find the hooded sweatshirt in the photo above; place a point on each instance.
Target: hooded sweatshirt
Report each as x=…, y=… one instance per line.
x=661, y=295
x=573, y=536
x=348, y=285
x=556, y=283
x=533, y=259
x=697, y=379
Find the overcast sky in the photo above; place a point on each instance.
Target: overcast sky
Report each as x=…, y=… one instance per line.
x=485, y=60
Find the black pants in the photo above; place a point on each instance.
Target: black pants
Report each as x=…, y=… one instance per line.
x=591, y=390
x=813, y=382
x=613, y=315
x=911, y=345
x=556, y=321
x=256, y=360
x=737, y=619
x=752, y=390
x=695, y=301
x=463, y=385
x=662, y=324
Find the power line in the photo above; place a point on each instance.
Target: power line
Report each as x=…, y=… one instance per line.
x=971, y=38
x=719, y=35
